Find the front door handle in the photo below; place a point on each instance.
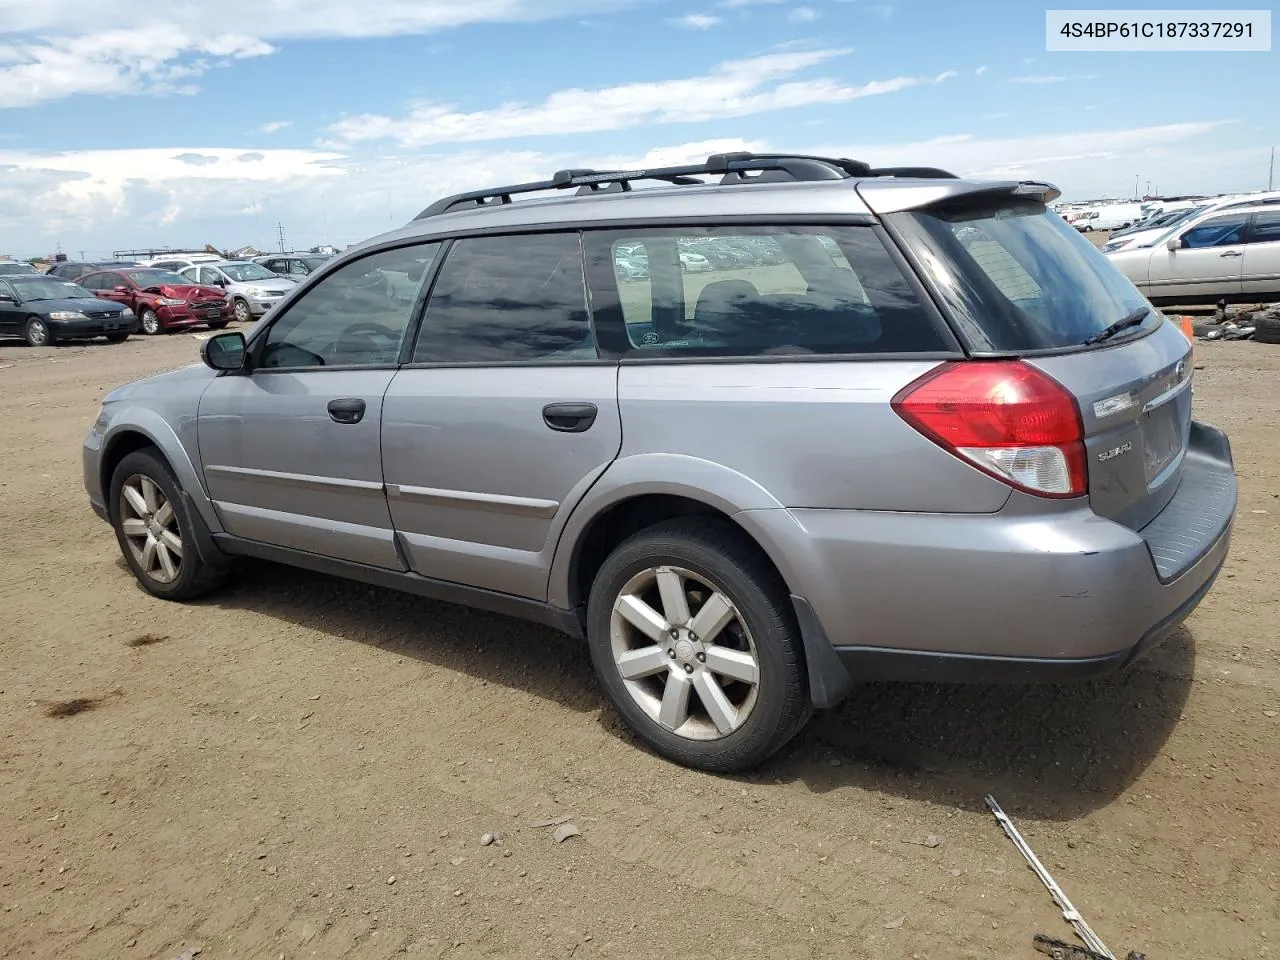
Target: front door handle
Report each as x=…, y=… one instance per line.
x=346, y=411
x=1232, y=253
x=569, y=417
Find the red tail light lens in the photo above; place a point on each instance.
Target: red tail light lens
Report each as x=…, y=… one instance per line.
x=1007, y=418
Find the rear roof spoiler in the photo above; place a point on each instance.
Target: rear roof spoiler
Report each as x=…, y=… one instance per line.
x=890, y=196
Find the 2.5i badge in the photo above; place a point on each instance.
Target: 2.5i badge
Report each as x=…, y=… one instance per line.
x=1114, y=452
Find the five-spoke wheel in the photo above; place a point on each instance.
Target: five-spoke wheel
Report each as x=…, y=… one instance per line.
x=693, y=637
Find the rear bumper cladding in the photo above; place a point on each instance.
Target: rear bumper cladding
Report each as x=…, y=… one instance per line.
x=832, y=673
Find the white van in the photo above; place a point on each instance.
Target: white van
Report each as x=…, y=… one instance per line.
x=1113, y=216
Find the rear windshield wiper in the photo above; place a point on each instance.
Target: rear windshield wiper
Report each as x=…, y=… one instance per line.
x=1131, y=319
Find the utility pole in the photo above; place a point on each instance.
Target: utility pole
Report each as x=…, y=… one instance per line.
x=1135, y=186
x=280, y=231
x=1271, y=174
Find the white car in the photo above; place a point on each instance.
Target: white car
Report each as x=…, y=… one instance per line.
x=251, y=287
x=691, y=262
x=181, y=262
x=1227, y=253
x=1149, y=230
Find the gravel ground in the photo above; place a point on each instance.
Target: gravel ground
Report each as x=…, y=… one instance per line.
x=303, y=767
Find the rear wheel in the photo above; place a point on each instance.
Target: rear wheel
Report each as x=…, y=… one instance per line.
x=150, y=322
x=155, y=530
x=694, y=640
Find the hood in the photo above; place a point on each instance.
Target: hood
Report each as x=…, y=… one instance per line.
x=78, y=304
x=194, y=376
x=275, y=283
x=191, y=291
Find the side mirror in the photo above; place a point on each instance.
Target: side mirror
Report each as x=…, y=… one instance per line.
x=120, y=288
x=226, y=351
x=5, y=298
x=1174, y=243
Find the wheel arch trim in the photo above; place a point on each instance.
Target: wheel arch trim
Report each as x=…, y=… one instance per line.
x=146, y=423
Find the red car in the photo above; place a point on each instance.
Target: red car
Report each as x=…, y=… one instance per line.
x=162, y=299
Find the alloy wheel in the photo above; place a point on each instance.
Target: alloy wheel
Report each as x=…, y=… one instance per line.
x=150, y=528
x=684, y=653
x=150, y=322
x=37, y=332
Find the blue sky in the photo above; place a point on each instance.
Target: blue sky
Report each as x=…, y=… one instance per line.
x=126, y=124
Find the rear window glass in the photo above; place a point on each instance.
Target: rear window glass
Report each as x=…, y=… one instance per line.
x=758, y=291
x=1018, y=277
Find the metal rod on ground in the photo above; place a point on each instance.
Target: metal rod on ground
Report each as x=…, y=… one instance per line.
x=1069, y=912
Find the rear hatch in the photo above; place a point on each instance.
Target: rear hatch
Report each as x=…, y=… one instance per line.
x=1019, y=283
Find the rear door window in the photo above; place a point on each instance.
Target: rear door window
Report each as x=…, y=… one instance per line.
x=1266, y=228
x=761, y=291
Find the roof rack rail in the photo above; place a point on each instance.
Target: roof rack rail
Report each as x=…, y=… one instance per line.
x=731, y=167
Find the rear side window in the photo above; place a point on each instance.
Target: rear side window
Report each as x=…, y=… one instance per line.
x=760, y=291
x=1266, y=228
x=1017, y=277
x=508, y=299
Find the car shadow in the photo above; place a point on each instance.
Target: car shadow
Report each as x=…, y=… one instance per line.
x=1050, y=751
x=497, y=649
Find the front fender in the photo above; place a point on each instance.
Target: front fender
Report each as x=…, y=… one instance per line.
x=141, y=420
x=704, y=481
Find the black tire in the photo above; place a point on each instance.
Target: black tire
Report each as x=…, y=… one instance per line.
x=117, y=337
x=724, y=558
x=1267, y=329
x=195, y=577
x=243, y=312
x=150, y=322
x=38, y=333
x=1200, y=327
x=217, y=324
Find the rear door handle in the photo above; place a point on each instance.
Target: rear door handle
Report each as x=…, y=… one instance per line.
x=569, y=417
x=346, y=411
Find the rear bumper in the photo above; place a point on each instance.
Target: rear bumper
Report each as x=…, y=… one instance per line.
x=1021, y=595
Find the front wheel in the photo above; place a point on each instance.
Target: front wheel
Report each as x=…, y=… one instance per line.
x=38, y=333
x=150, y=322
x=694, y=640
x=243, y=313
x=155, y=530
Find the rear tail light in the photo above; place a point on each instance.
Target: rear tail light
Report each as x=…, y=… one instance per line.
x=1006, y=418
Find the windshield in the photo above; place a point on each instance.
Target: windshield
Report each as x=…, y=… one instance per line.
x=1173, y=226
x=1018, y=278
x=241, y=272
x=18, y=268
x=314, y=263
x=48, y=288
x=156, y=278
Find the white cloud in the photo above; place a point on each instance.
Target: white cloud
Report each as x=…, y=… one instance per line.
x=980, y=71
x=803, y=15
x=697, y=21
x=735, y=88
x=151, y=59
x=274, y=126
x=60, y=49
x=113, y=199
x=1038, y=78
x=945, y=76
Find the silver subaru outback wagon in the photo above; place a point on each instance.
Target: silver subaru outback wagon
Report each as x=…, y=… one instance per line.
x=905, y=426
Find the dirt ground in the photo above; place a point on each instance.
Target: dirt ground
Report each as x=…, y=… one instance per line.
x=303, y=767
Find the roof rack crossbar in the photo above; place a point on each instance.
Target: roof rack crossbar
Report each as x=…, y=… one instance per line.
x=733, y=168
